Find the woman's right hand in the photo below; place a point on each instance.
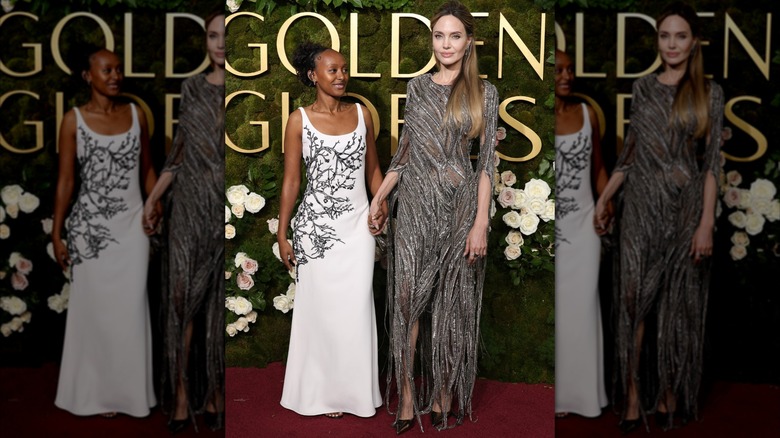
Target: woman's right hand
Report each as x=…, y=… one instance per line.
x=601, y=217
x=61, y=254
x=287, y=254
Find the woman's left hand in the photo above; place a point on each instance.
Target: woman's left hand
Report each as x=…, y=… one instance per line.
x=701, y=246
x=476, y=243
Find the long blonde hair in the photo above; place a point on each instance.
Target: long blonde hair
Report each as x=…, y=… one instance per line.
x=467, y=96
x=691, y=102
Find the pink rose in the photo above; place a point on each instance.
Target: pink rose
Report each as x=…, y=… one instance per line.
x=500, y=133
x=24, y=266
x=732, y=197
x=507, y=197
x=244, y=281
x=19, y=281
x=249, y=266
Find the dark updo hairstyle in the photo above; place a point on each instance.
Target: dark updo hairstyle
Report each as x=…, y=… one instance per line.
x=304, y=60
x=80, y=57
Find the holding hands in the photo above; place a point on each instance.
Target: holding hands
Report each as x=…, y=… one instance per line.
x=152, y=216
x=377, y=216
x=602, y=216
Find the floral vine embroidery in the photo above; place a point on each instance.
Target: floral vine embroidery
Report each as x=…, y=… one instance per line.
x=104, y=170
x=568, y=167
x=329, y=169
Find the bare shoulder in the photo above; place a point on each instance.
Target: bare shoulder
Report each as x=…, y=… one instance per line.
x=366, y=115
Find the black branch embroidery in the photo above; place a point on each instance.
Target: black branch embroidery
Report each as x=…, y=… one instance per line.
x=329, y=170
x=569, y=164
x=105, y=171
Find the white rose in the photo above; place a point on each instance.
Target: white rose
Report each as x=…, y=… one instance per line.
x=549, y=211
x=8, y=5
x=228, y=274
x=738, y=252
x=774, y=211
x=760, y=205
x=738, y=219
x=514, y=238
x=754, y=223
x=65, y=291
x=537, y=188
x=12, y=210
x=13, y=305
x=528, y=223
x=230, y=231
x=744, y=199
x=492, y=208
x=249, y=266
x=6, y=330
x=23, y=265
x=734, y=178
x=5, y=232
x=508, y=178
x=511, y=252
x=237, y=210
x=291, y=291
x=718, y=208
x=2, y=215
x=507, y=197
x=496, y=160
x=231, y=329
x=732, y=197
x=521, y=198
x=244, y=281
x=237, y=194
x=283, y=303
x=19, y=281
x=29, y=202
x=50, y=250
x=233, y=6
x=512, y=219
x=11, y=194
x=254, y=203
x=496, y=177
x=17, y=324
x=14, y=258
x=241, y=325
x=240, y=257
x=251, y=316
x=273, y=225
x=762, y=189
x=497, y=188
x=242, y=306
x=228, y=214
x=536, y=206
x=56, y=303
x=230, y=303
x=26, y=317
x=740, y=238
x=292, y=272
x=47, y=225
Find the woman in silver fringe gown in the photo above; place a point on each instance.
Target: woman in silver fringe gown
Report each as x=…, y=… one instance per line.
x=193, y=260
x=668, y=171
x=437, y=243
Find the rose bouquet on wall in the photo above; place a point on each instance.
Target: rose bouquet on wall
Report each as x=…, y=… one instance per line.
x=252, y=264
x=750, y=206
x=25, y=271
x=528, y=216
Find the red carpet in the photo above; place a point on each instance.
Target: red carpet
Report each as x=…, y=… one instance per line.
x=27, y=410
x=501, y=410
x=729, y=410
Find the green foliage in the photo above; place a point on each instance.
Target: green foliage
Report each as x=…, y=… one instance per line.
x=342, y=7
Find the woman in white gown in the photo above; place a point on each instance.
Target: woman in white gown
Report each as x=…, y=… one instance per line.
x=579, y=362
x=332, y=361
x=107, y=359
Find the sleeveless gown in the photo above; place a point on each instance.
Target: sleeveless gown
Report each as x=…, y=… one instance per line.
x=107, y=353
x=579, y=362
x=332, y=364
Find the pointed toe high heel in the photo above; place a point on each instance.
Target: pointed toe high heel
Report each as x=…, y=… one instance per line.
x=176, y=426
x=628, y=426
x=402, y=426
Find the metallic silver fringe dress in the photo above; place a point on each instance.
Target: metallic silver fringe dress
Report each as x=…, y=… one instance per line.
x=656, y=281
x=193, y=261
x=429, y=279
